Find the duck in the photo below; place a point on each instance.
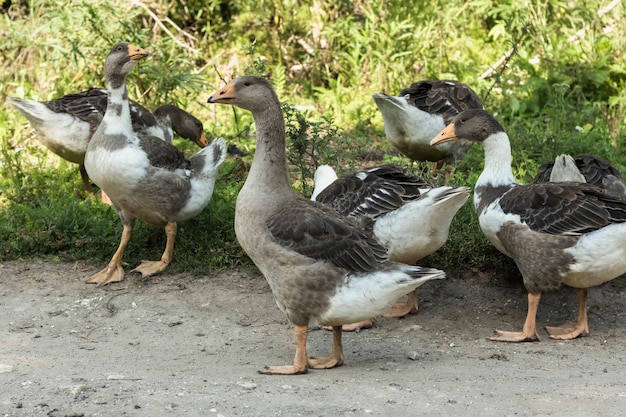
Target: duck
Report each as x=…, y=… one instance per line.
x=322, y=267
x=65, y=125
x=145, y=177
x=411, y=217
x=558, y=233
x=583, y=168
x=414, y=117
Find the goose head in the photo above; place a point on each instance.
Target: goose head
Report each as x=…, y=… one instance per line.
x=121, y=60
x=474, y=125
x=248, y=92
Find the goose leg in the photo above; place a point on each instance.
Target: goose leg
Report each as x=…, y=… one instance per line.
x=405, y=307
x=529, y=332
x=300, y=364
x=355, y=327
x=336, y=353
x=85, y=178
x=114, y=272
x=570, y=330
x=147, y=268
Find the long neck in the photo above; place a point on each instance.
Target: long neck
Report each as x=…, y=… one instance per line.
x=118, y=107
x=497, y=171
x=269, y=165
x=497, y=176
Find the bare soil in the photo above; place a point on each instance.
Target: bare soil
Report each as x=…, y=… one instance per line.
x=191, y=345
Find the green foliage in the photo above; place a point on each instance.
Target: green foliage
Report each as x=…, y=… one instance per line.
x=554, y=72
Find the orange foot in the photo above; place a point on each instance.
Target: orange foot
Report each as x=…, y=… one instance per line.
x=147, y=268
x=284, y=370
x=514, y=337
x=355, y=327
x=325, y=363
x=568, y=331
x=112, y=273
x=407, y=306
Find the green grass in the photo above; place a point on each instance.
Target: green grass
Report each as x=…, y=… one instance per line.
x=562, y=90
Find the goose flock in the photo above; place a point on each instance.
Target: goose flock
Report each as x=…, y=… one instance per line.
x=349, y=253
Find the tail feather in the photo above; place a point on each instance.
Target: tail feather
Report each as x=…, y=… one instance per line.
x=32, y=110
x=424, y=274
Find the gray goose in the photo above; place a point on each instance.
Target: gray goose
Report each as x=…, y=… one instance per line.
x=411, y=217
x=584, y=168
x=421, y=110
x=560, y=233
x=322, y=267
x=145, y=177
x=65, y=125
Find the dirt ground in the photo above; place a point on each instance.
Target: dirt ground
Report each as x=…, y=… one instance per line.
x=188, y=345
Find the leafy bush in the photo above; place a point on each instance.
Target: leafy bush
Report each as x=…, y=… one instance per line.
x=554, y=72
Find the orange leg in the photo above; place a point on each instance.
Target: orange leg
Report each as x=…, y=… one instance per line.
x=355, y=327
x=300, y=363
x=529, y=332
x=114, y=272
x=569, y=330
x=85, y=178
x=336, y=354
x=404, y=308
x=147, y=268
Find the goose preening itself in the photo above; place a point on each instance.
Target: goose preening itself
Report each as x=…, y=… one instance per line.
x=65, y=125
x=145, y=177
x=561, y=233
x=421, y=110
x=584, y=168
x=322, y=267
x=411, y=217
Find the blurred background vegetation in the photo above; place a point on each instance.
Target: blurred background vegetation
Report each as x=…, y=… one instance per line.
x=553, y=71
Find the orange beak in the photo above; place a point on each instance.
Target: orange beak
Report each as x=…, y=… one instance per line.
x=202, y=141
x=224, y=95
x=446, y=135
x=136, y=53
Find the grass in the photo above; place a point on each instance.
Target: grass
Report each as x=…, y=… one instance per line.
x=554, y=74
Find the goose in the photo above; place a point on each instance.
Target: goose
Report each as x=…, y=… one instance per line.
x=421, y=110
x=411, y=217
x=558, y=233
x=322, y=267
x=65, y=125
x=145, y=177
x=583, y=168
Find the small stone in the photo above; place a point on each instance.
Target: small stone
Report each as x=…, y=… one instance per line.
x=413, y=355
x=5, y=368
x=73, y=389
x=249, y=385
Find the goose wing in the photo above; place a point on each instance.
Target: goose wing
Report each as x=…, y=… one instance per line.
x=319, y=232
x=445, y=97
x=563, y=208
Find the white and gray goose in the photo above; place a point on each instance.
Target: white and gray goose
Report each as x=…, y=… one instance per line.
x=420, y=111
x=322, y=267
x=145, y=177
x=65, y=125
x=411, y=217
x=565, y=233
